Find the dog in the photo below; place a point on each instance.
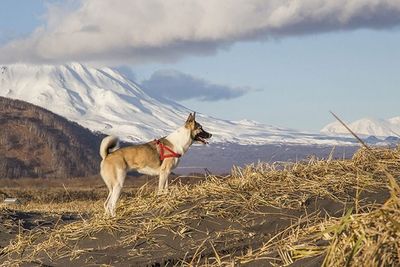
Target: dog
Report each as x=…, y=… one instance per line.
x=158, y=157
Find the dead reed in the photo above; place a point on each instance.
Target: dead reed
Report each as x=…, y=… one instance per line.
x=218, y=221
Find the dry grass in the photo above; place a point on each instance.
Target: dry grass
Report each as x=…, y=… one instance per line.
x=366, y=235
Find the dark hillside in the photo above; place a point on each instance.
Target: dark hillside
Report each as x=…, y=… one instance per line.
x=35, y=142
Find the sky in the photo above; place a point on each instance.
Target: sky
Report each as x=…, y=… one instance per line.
x=284, y=63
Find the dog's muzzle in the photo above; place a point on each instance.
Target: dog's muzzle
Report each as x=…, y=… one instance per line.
x=202, y=137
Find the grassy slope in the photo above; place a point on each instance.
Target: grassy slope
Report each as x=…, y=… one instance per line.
x=35, y=142
x=317, y=212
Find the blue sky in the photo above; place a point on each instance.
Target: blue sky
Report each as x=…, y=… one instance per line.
x=288, y=80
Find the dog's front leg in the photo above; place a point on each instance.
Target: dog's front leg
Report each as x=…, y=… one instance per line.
x=163, y=182
x=165, y=170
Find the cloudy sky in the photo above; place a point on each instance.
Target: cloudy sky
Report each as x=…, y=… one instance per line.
x=281, y=62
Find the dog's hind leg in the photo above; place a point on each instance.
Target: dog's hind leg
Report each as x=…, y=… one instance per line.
x=112, y=203
x=116, y=192
x=107, y=178
x=108, y=199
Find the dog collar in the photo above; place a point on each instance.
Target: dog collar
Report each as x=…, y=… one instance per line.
x=163, y=148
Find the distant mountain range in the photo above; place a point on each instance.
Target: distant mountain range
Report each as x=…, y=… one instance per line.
x=35, y=142
x=104, y=100
x=366, y=127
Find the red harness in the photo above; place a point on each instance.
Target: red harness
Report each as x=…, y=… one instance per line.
x=163, y=155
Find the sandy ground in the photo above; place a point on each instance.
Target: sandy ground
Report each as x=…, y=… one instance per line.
x=169, y=246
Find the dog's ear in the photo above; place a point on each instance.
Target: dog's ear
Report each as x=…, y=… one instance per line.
x=190, y=119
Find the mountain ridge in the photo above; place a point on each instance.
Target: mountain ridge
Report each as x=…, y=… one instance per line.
x=35, y=142
x=103, y=100
x=366, y=127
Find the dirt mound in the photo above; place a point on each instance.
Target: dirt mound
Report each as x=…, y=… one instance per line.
x=320, y=212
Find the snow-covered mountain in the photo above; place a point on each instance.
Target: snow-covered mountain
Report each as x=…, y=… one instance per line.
x=104, y=100
x=366, y=127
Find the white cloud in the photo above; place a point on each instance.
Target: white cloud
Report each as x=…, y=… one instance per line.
x=134, y=31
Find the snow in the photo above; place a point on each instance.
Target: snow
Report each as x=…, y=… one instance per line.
x=103, y=100
x=366, y=127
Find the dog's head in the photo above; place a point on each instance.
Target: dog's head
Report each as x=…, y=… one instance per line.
x=197, y=132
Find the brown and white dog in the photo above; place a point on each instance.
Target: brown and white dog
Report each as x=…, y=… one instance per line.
x=148, y=158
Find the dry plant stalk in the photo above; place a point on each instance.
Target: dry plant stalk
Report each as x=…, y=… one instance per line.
x=369, y=236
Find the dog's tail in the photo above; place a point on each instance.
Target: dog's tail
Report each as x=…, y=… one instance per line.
x=108, y=145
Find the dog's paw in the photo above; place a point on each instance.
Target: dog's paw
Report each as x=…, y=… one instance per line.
x=162, y=192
